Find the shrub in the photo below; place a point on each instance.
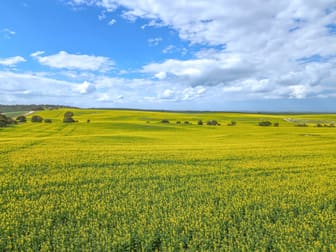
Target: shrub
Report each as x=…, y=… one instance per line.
x=276, y=124
x=5, y=121
x=178, y=122
x=36, y=119
x=265, y=123
x=200, y=122
x=164, y=121
x=232, y=123
x=186, y=122
x=21, y=119
x=68, y=120
x=212, y=123
x=47, y=120
x=301, y=125
x=331, y=125
x=68, y=117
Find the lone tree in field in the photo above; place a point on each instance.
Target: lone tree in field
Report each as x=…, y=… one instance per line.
x=21, y=119
x=36, y=119
x=5, y=121
x=301, y=125
x=265, y=123
x=213, y=123
x=68, y=117
x=200, y=122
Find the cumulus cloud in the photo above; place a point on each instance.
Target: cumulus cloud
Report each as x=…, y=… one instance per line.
x=85, y=88
x=66, y=60
x=103, y=98
x=11, y=61
x=104, y=91
x=246, y=50
x=167, y=94
x=112, y=22
x=184, y=94
x=256, y=47
x=212, y=71
x=161, y=75
x=298, y=91
x=24, y=87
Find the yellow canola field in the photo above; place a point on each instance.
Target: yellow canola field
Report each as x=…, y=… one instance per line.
x=127, y=182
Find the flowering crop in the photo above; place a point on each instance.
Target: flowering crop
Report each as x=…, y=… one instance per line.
x=126, y=182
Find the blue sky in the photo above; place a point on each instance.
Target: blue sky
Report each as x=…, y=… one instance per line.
x=276, y=55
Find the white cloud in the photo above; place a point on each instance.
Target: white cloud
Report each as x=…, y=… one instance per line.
x=168, y=49
x=207, y=71
x=173, y=49
x=103, y=91
x=112, y=22
x=106, y=4
x=74, y=61
x=167, y=94
x=298, y=91
x=185, y=94
x=27, y=87
x=36, y=54
x=110, y=6
x=85, y=88
x=161, y=75
x=254, y=42
x=12, y=61
x=154, y=41
x=279, y=49
x=7, y=33
x=153, y=23
x=23, y=88
x=103, y=97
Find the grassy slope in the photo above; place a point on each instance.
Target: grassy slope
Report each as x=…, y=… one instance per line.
x=121, y=183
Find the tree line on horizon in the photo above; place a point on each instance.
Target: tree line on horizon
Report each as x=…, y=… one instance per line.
x=30, y=107
x=7, y=121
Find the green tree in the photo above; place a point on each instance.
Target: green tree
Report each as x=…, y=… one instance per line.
x=36, y=119
x=68, y=117
x=21, y=119
x=265, y=123
x=5, y=121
